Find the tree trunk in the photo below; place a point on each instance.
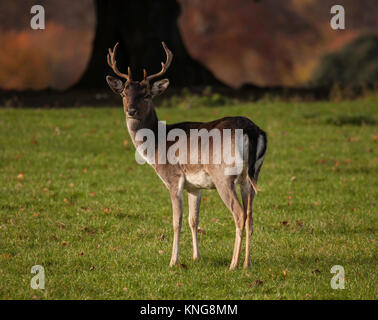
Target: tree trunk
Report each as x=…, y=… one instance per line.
x=139, y=27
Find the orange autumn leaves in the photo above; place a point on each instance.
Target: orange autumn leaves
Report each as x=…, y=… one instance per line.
x=55, y=57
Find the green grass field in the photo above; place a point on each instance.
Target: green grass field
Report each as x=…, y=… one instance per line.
x=73, y=200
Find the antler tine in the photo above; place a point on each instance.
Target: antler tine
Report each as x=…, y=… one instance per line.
x=113, y=64
x=164, y=66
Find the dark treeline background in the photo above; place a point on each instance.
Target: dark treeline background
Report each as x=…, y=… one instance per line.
x=266, y=43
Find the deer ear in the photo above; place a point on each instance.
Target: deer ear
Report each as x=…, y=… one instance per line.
x=159, y=87
x=115, y=84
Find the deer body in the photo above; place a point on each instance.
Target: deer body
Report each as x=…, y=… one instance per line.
x=193, y=177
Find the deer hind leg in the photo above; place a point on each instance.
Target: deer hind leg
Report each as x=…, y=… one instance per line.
x=228, y=194
x=248, y=194
x=177, y=208
x=194, y=201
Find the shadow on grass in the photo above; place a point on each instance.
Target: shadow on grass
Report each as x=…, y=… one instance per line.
x=219, y=261
x=356, y=120
x=126, y=215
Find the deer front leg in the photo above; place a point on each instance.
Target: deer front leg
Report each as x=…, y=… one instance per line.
x=177, y=208
x=194, y=201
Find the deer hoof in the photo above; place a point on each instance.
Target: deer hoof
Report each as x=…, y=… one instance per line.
x=172, y=264
x=233, y=266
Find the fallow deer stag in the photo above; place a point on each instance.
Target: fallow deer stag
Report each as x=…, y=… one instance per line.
x=195, y=175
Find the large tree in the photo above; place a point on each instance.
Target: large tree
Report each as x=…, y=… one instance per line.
x=139, y=26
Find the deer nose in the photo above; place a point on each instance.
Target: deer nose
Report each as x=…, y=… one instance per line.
x=131, y=112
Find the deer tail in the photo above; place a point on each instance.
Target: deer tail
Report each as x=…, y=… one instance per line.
x=257, y=152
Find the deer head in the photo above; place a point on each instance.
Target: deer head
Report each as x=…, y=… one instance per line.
x=137, y=95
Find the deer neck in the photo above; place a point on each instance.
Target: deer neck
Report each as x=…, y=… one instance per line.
x=150, y=121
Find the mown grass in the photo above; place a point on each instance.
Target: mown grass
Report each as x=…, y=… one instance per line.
x=73, y=200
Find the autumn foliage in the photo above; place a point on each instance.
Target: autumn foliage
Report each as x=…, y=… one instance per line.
x=36, y=59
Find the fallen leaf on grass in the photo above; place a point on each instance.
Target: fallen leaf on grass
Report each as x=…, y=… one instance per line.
x=299, y=223
x=20, y=176
x=91, y=268
x=352, y=139
x=60, y=225
x=256, y=283
x=200, y=230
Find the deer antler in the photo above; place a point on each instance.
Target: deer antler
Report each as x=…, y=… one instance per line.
x=164, y=66
x=113, y=64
